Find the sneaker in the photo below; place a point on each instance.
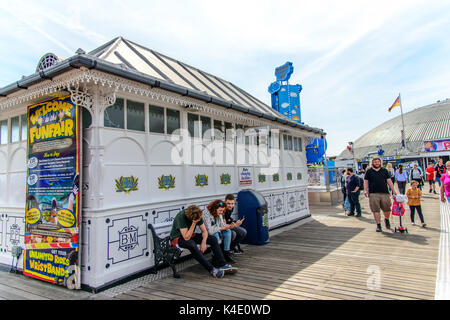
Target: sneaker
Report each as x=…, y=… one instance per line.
x=413, y=223
x=228, y=257
x=379, y=228
x=350, y=214
x=387, y=223
x=434, y=192
x=237, y=251
x=358, y=215
x=217, y=273
x=424, y=225
x=430, y=191
x=228, y=269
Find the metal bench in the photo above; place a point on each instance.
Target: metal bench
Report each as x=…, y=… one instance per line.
x=164, y=252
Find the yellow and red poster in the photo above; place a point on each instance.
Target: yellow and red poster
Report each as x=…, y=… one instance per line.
x=52, y=211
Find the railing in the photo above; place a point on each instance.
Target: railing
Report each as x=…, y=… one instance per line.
x=327, y=177
x=442, y=291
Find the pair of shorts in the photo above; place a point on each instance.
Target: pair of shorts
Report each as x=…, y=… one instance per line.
x=380, y=201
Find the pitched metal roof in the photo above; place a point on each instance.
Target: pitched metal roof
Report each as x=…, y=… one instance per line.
x=431, y=122
x=164, y=68
x=133, y=61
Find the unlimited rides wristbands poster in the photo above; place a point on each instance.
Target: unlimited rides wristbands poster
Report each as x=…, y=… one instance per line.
x=52, y=213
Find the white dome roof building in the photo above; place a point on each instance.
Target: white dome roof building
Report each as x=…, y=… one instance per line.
x=429, y=123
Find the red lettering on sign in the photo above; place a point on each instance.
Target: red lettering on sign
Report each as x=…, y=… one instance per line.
x=447, y=145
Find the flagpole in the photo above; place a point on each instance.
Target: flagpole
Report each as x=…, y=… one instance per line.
x=403, y=122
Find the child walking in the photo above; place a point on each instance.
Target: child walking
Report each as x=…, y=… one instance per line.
x=414, y=194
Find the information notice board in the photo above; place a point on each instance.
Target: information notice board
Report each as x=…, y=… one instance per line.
x=52, y=211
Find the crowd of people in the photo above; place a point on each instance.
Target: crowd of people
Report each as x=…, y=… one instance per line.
x=378, y=185
x=218, y=230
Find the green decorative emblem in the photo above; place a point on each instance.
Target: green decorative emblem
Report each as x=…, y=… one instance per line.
x=265, y=219
x=261, y=178
x=299, y=176
x=289, y=176
x=276, y=177
x=166, y=182
x=126, y=184
x=225, y=178
x=201, y=180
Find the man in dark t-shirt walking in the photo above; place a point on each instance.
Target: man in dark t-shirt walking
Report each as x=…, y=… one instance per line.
x=376, y=181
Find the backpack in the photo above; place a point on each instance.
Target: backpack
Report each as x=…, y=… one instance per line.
x=361, y=183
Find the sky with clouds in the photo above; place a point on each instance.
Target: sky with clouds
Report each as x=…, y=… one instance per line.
x=352, y=58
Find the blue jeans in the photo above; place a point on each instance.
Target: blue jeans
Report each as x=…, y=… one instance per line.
x=226, y=236
x=353, y=197
x=448, y=199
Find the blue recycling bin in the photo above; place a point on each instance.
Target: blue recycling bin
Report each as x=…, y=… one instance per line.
x=253, y=206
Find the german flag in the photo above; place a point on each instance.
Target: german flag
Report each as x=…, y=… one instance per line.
x=395, y=104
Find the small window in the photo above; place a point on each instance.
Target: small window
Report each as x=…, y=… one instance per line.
x=15, y=129
x=193, y=125
x=114, y=117
x=3, y=131
x=206, y=127
x=156, y=119
x=228, y=131
x=24, y=128
x=300, y=146
x=218, y=130
x=87, y=118
x=263, y=139
x=285, y=143
x=173, y=120
x=135, y=115
x=274, y=139
x=295, y=144
x=239, y=133
x=290, y=142
x=247, y=138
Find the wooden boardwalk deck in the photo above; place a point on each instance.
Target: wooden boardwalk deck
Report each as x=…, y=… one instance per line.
x=331, y=256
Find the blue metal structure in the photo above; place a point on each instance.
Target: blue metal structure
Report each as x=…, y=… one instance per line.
x=315, y=150
x=286, y=97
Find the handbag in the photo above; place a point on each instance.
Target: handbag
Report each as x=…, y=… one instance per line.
x=347, y=206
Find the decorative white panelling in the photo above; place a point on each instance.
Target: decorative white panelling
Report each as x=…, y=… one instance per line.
x=127, y=238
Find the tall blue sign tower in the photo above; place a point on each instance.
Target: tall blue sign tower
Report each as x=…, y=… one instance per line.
x=285, y=96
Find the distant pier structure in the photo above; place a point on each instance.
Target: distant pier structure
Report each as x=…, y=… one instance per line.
x=285, y=96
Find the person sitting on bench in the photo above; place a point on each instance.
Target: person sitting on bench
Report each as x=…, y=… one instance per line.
x=238, y=232
x=215, y=224
x=183, y=235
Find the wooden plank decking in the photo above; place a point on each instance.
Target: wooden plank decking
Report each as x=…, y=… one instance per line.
x=331, y=256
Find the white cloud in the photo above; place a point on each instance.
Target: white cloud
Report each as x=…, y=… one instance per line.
x=351, y=57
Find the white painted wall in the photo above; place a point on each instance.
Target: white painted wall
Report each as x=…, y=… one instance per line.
x=116, y=241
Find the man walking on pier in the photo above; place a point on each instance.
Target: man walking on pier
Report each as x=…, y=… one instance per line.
x=376, y=183
x=353, y=193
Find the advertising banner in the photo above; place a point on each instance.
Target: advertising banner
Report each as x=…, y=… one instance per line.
x=441, y=145
x=52, y=211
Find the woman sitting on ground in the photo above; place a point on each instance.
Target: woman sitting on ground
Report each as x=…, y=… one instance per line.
x=216, y=226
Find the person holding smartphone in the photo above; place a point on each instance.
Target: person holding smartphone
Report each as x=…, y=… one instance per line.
x=238, y=232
